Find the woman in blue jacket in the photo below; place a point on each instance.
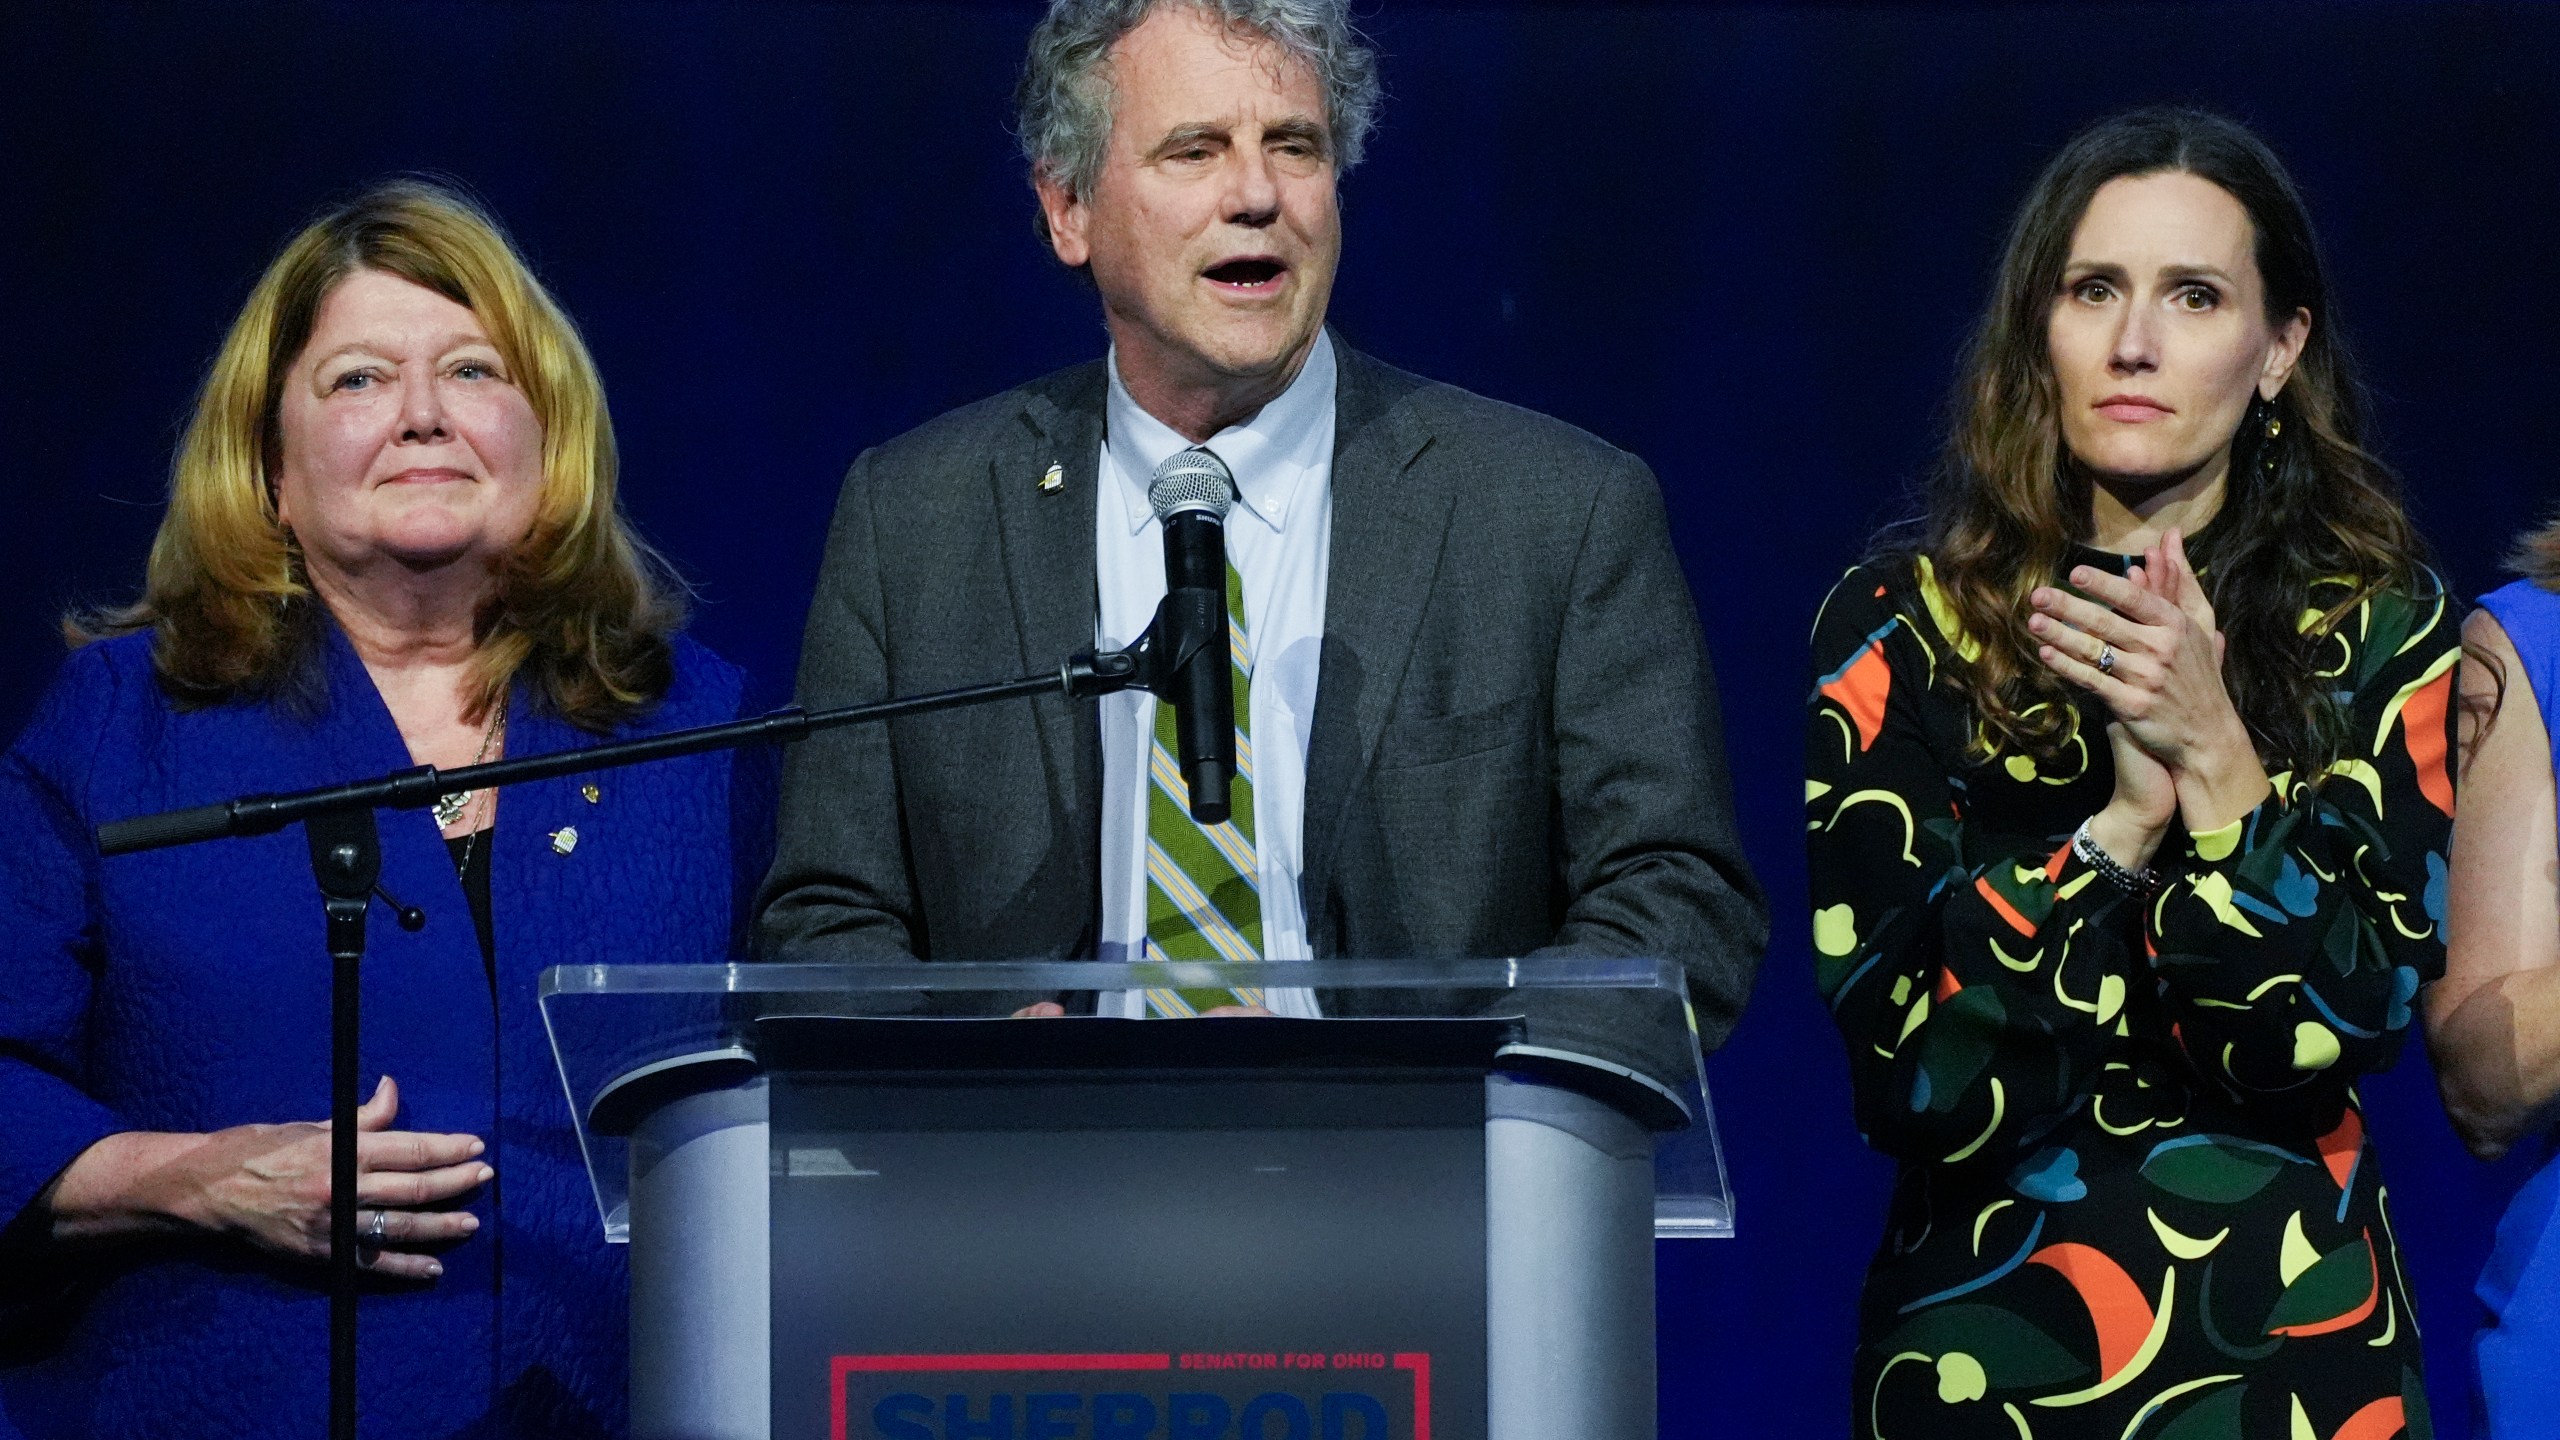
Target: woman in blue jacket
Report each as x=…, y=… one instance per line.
x=392, y=539
x=2493, y=1023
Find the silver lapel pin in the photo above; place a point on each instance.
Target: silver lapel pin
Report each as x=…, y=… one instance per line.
x=1054, y=479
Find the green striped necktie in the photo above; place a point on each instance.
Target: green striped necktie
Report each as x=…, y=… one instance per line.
x=1204, y=882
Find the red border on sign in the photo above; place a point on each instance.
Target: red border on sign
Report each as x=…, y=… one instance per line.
x=1419, y=1362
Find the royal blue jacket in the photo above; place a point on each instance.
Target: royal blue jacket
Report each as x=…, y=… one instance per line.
x=188, y=989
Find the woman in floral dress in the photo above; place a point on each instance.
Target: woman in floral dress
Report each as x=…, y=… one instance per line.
x=2128, y=800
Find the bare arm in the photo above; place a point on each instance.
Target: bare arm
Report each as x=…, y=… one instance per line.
x=2494, y=1020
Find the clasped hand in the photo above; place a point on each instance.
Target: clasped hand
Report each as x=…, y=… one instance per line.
x=2180, y=748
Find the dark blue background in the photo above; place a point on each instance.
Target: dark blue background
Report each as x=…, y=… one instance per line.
x=1742, y=241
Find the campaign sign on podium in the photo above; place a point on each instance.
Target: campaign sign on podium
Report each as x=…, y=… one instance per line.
x=865, y=1202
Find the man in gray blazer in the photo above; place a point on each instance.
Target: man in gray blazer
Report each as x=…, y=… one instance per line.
x=1482, y=721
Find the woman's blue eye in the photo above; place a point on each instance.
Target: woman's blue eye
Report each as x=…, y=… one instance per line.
x=354, y=380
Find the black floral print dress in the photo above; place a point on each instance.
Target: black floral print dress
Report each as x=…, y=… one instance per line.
x=2136, y=1199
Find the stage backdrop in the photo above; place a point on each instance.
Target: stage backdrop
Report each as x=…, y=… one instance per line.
x=1743, y=242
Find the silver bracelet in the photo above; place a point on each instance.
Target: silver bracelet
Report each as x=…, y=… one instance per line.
x=2130, y=881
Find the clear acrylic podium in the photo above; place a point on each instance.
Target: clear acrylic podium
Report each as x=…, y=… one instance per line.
x=864, y=1202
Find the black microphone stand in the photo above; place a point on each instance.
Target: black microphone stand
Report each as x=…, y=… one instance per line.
x=346, y=860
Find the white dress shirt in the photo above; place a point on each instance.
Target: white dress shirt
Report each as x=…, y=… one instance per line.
x=1278, y=536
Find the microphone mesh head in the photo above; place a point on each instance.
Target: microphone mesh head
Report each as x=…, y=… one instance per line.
x=1192, y=479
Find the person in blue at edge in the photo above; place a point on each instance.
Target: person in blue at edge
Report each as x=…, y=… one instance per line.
x=2493, y=1022
x=392, y=539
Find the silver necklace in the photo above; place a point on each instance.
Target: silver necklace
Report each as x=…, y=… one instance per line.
x=448, y=809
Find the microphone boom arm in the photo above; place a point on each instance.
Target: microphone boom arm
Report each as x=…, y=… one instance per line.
x=1085, y=675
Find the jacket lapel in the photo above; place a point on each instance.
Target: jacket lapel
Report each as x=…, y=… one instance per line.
x=355, y=733
x=1389, y=519
x=1046, y=537
x=356, y=738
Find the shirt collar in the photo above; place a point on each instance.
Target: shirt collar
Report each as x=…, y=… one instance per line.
x=1270, y=454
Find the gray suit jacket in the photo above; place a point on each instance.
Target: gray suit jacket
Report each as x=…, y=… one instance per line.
x=1516, y=749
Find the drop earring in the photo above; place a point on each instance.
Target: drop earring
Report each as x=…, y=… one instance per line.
x=2270, y=426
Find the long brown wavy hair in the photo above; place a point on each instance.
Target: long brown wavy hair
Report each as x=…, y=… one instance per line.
x=584, y=609
x=2307, y=505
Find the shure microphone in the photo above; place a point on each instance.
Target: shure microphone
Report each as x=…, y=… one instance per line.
x=1191, y=492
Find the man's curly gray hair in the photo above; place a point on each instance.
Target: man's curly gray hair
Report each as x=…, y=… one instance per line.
x=1063, y=104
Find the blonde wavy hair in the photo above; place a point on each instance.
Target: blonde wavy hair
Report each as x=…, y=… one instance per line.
x=585, y=610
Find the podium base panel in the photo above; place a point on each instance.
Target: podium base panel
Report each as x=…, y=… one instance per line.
x=1569, y=1267
x=701, y=1269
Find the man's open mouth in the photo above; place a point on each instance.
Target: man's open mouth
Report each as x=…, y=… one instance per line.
x=1246, y=272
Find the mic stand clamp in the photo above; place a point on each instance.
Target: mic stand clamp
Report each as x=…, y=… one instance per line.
x=1089, y=674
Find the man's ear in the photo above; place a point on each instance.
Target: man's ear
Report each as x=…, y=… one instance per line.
x=1067, y=217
